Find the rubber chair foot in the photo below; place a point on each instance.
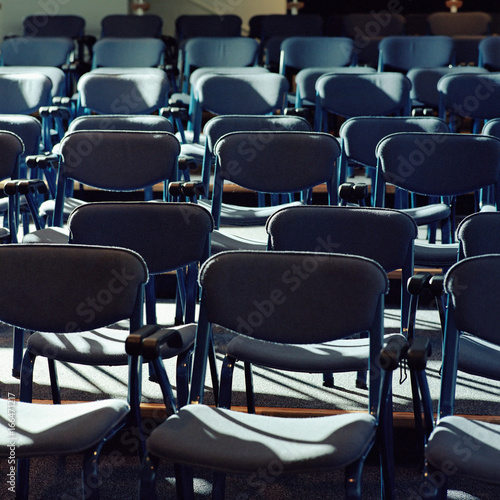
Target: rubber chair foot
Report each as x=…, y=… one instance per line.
x=16, y=373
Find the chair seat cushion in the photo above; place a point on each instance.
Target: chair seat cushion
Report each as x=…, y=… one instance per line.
x=48, y=235
x=241, y=442
x=45, y=429
x=435, y=255
x=429, y=213
x=337, y=356
x=103, y=347
x=221, y=242
x=235, y=215
x=478, y=357
x=464, y=446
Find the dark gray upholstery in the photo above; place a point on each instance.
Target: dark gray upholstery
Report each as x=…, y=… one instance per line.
x=233, y=442
x=59, y=429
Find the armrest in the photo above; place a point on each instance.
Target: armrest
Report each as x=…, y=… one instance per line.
x=186, y=162
x=25, y=186
x=392, y=353
x=419, y=352
x=351, y=192
x=133, y=343
x=147, y=341
x=418, y=282
x=42, y=161
x=62, y=111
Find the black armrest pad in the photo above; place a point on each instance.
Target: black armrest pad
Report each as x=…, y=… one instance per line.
x=392, y=353
x=418, y=282
x=133, y=343
x=152, y=344
x=418, y=353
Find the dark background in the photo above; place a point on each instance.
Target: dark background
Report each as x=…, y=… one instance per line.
x=326, y=7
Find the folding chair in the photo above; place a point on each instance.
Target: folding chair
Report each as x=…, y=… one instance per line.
x=277, y=27
x=459, y=23
x=471, y=285
x=63, y=25
x=246, y=94
x=128, y=52
x=468, y=29
x=367, y=29
x=347, y=95
x=359, y=137
x=281, y=162
x=305, y=82
x=473, y=96
x=219, y=126
x=54, y=282
x=126, y=25
x=41, y=54
x=489, y=54
x=345, y=230
x=424, y=86
x=401, y=53
x=444, y=166
x=214, y=438
x=171, y=237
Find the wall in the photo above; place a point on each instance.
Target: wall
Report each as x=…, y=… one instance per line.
x=12, y=12
x=169, y=10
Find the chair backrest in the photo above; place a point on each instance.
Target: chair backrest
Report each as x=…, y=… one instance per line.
x=191, y=26
x=128, y=52
x=459, y=23
x=12, y=148
x=283, y=25
x=27, y=128
x=437, y=164
x=36, y=51
x=489, y=53
x=471, y=95
x=54, y=25
x=231, y=280
x=167, y=235
x=24, y=93
x=58, y=290
x=472, y=285
x=152, y=123
x=276, y=27
x=360, y=135
x=115, y=160
x=221, y=125
x=347, y=95
x=479, y=234
x=274, y=162
x=205, y=52
x=246, y=94
x=424, y=88
x=364, y=25
x=127, y=25
x=305, y=80
x=304, y=52
x=123, y=93
x=384, y=235
x=401, y=53
x=260, y=294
